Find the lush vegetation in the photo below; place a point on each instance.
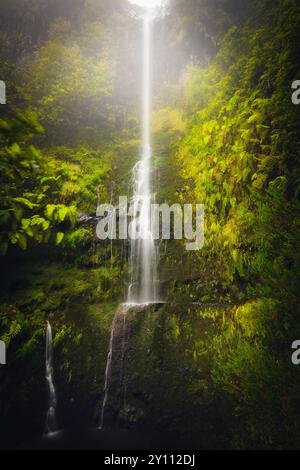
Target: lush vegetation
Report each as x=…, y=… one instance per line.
x=226, y=135
x=240, y=157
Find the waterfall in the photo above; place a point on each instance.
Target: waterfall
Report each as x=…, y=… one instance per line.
x=108, y=372
x=143, y=262
x=111, y=238
x=51, y=414
x=116, y=354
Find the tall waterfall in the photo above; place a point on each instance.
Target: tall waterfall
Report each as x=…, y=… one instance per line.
x=51, y=413
x=143, y=262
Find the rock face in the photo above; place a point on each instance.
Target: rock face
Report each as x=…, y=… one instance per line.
x=114, y=394
x=87, y=219
x=158, y=381
x=115, y=408
x=160, y=376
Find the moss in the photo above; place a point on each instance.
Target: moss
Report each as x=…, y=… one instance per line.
x=168, y=374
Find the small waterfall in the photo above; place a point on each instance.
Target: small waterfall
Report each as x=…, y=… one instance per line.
x=51, y=413
x=111, y=238
x=116, y=355
x=108, y=372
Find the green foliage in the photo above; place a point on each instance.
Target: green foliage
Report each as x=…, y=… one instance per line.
x=241, y=159
x=226, y=136
x=28, y=184
x=71, y=88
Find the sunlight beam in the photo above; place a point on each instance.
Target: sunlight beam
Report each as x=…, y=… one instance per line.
x=147, y=4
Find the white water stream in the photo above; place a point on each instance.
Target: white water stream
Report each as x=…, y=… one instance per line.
x=51, y=413
x=143, y=259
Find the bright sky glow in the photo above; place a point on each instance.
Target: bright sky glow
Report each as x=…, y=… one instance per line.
x=148, y=4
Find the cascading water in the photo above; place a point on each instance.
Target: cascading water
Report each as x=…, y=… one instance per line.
x=108, y=372
x=116, y=354
x=143, y=262
x=51, y=414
